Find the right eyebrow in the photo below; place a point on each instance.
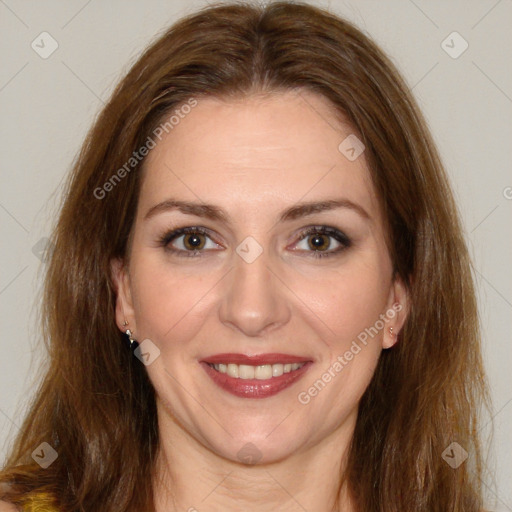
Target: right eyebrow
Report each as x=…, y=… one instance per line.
x=207, y=211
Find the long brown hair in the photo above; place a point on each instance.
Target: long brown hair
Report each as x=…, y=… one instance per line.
x=96, y=407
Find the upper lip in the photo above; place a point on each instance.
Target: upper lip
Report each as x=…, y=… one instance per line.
x=255, y=360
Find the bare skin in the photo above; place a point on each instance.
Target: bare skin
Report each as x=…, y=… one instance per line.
x=255, y=158
x=7, y=507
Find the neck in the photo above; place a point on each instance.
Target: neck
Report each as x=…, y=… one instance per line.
x=191, y=477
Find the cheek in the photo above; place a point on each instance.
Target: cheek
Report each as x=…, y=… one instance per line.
x=348, y=305
x=349, y=300
x=168, y=302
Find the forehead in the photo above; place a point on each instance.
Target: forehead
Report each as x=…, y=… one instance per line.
x=257, y=152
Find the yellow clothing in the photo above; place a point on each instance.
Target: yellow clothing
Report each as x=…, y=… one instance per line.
x=39, y=503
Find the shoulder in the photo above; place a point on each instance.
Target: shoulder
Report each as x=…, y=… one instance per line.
x=8, y=507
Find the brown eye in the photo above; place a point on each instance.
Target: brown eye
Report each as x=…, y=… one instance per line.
x=319, y=242
x=323, y=241
x=188, y=241
x=194, y=241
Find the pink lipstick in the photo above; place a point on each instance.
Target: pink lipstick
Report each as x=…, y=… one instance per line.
x=257, y=376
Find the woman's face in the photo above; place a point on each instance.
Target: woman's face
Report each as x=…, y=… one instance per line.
x=257, y=279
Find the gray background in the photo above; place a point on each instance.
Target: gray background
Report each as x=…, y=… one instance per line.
x=47, y=105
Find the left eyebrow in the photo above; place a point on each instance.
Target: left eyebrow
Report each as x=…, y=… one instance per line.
x=213, y=212
x=304, y=209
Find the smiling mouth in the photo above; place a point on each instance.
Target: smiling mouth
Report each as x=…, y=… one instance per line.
x=259, y=372
x=255, y=381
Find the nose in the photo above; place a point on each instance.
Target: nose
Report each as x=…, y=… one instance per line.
x=254, y=300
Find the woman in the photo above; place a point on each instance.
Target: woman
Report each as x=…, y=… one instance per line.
x=259, y=296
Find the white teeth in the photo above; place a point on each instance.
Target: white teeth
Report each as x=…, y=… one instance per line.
x=233, y=370
x=261, y=372
x=246, y=371
x=277, y=370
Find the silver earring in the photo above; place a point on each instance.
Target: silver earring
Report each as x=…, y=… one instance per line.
x=133, y=343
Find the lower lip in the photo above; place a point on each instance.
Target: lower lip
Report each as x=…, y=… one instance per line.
x=255, y=388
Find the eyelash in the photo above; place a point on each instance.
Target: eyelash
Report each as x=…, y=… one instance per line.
x=339, y=236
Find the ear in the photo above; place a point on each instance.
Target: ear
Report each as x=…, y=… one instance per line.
x=396, y=312
x=124, y=305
